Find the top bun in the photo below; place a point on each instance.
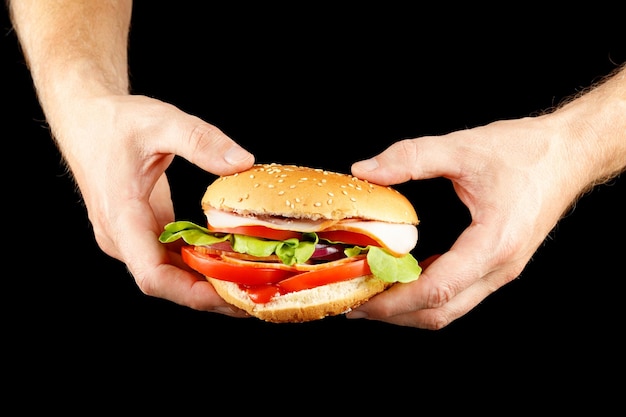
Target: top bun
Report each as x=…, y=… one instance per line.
x=308, y=193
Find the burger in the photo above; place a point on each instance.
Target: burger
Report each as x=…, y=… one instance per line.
x=291, y=244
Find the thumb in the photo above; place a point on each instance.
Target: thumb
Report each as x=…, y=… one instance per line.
x=208, y=147
x=408, y=159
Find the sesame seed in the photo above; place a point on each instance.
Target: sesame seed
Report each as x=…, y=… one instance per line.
x=281, y=192
x=344, y=192
x=251, y=176
x=329, y=201
x=352, y=199
x=331, y=194
x=317, y=204
x=270, y=186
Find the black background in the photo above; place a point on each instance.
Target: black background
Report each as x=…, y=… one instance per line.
x=290, y=86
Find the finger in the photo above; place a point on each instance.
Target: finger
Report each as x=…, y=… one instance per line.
x=409, y=159
x=431, y=302
x=426, y=262
x=206, y=146
x=156, y=270
x=440, y=317
x=176, y=282
x=447, y=276
x=161, y=201
x=475, y=261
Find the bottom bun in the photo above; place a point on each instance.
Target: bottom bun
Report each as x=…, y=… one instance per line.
x=306, y=305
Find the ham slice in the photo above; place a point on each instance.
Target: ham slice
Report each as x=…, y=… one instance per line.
x=398, y=238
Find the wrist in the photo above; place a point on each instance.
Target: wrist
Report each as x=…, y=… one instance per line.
x=63, y=86
x=595, y=126
x=68, y=97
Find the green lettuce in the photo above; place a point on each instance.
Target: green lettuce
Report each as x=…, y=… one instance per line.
x=391, y=268
x=292, y=251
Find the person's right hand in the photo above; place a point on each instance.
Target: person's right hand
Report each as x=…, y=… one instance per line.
x=118, y=148
x=117, y=145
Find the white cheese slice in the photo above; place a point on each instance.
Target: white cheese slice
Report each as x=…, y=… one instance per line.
x=397, y=238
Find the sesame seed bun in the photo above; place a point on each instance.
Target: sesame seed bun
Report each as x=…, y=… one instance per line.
x=298, y=192
x=306, y=305
x=307, y=193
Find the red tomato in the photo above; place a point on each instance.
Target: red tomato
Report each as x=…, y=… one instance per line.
x=259, y=231
x=264, y=293
x=261, y=294
x=312, y=279
x=344, y=236
x=213, y=266
x=263, y=283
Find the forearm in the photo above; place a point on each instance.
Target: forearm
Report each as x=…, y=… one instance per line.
x=596, y=126
x=73, y=49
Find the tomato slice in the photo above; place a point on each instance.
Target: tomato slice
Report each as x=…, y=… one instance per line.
x=312, y=279
x=213, y=266
x=306, y=280
x=262, y=294
x=344, y=236
x=263, y=283
x=258, y=231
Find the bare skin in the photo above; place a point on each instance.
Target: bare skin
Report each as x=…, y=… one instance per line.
x=517, y=177
x=116, y=145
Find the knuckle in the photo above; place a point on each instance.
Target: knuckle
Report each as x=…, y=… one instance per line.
x=439, y=295
x=407, y=148
x=438, y=321
x=202, y=137
x=143, y=284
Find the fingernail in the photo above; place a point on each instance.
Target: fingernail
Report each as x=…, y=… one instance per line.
x=230, y=311
x=236, y=154
x=357, y=314
x=368, y=164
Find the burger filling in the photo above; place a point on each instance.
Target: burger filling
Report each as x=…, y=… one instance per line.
x=269, y=257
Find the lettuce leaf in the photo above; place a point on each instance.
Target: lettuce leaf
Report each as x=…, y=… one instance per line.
x=383, y=264
x=390, y=268
x=290, y=251
x=191, y=233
